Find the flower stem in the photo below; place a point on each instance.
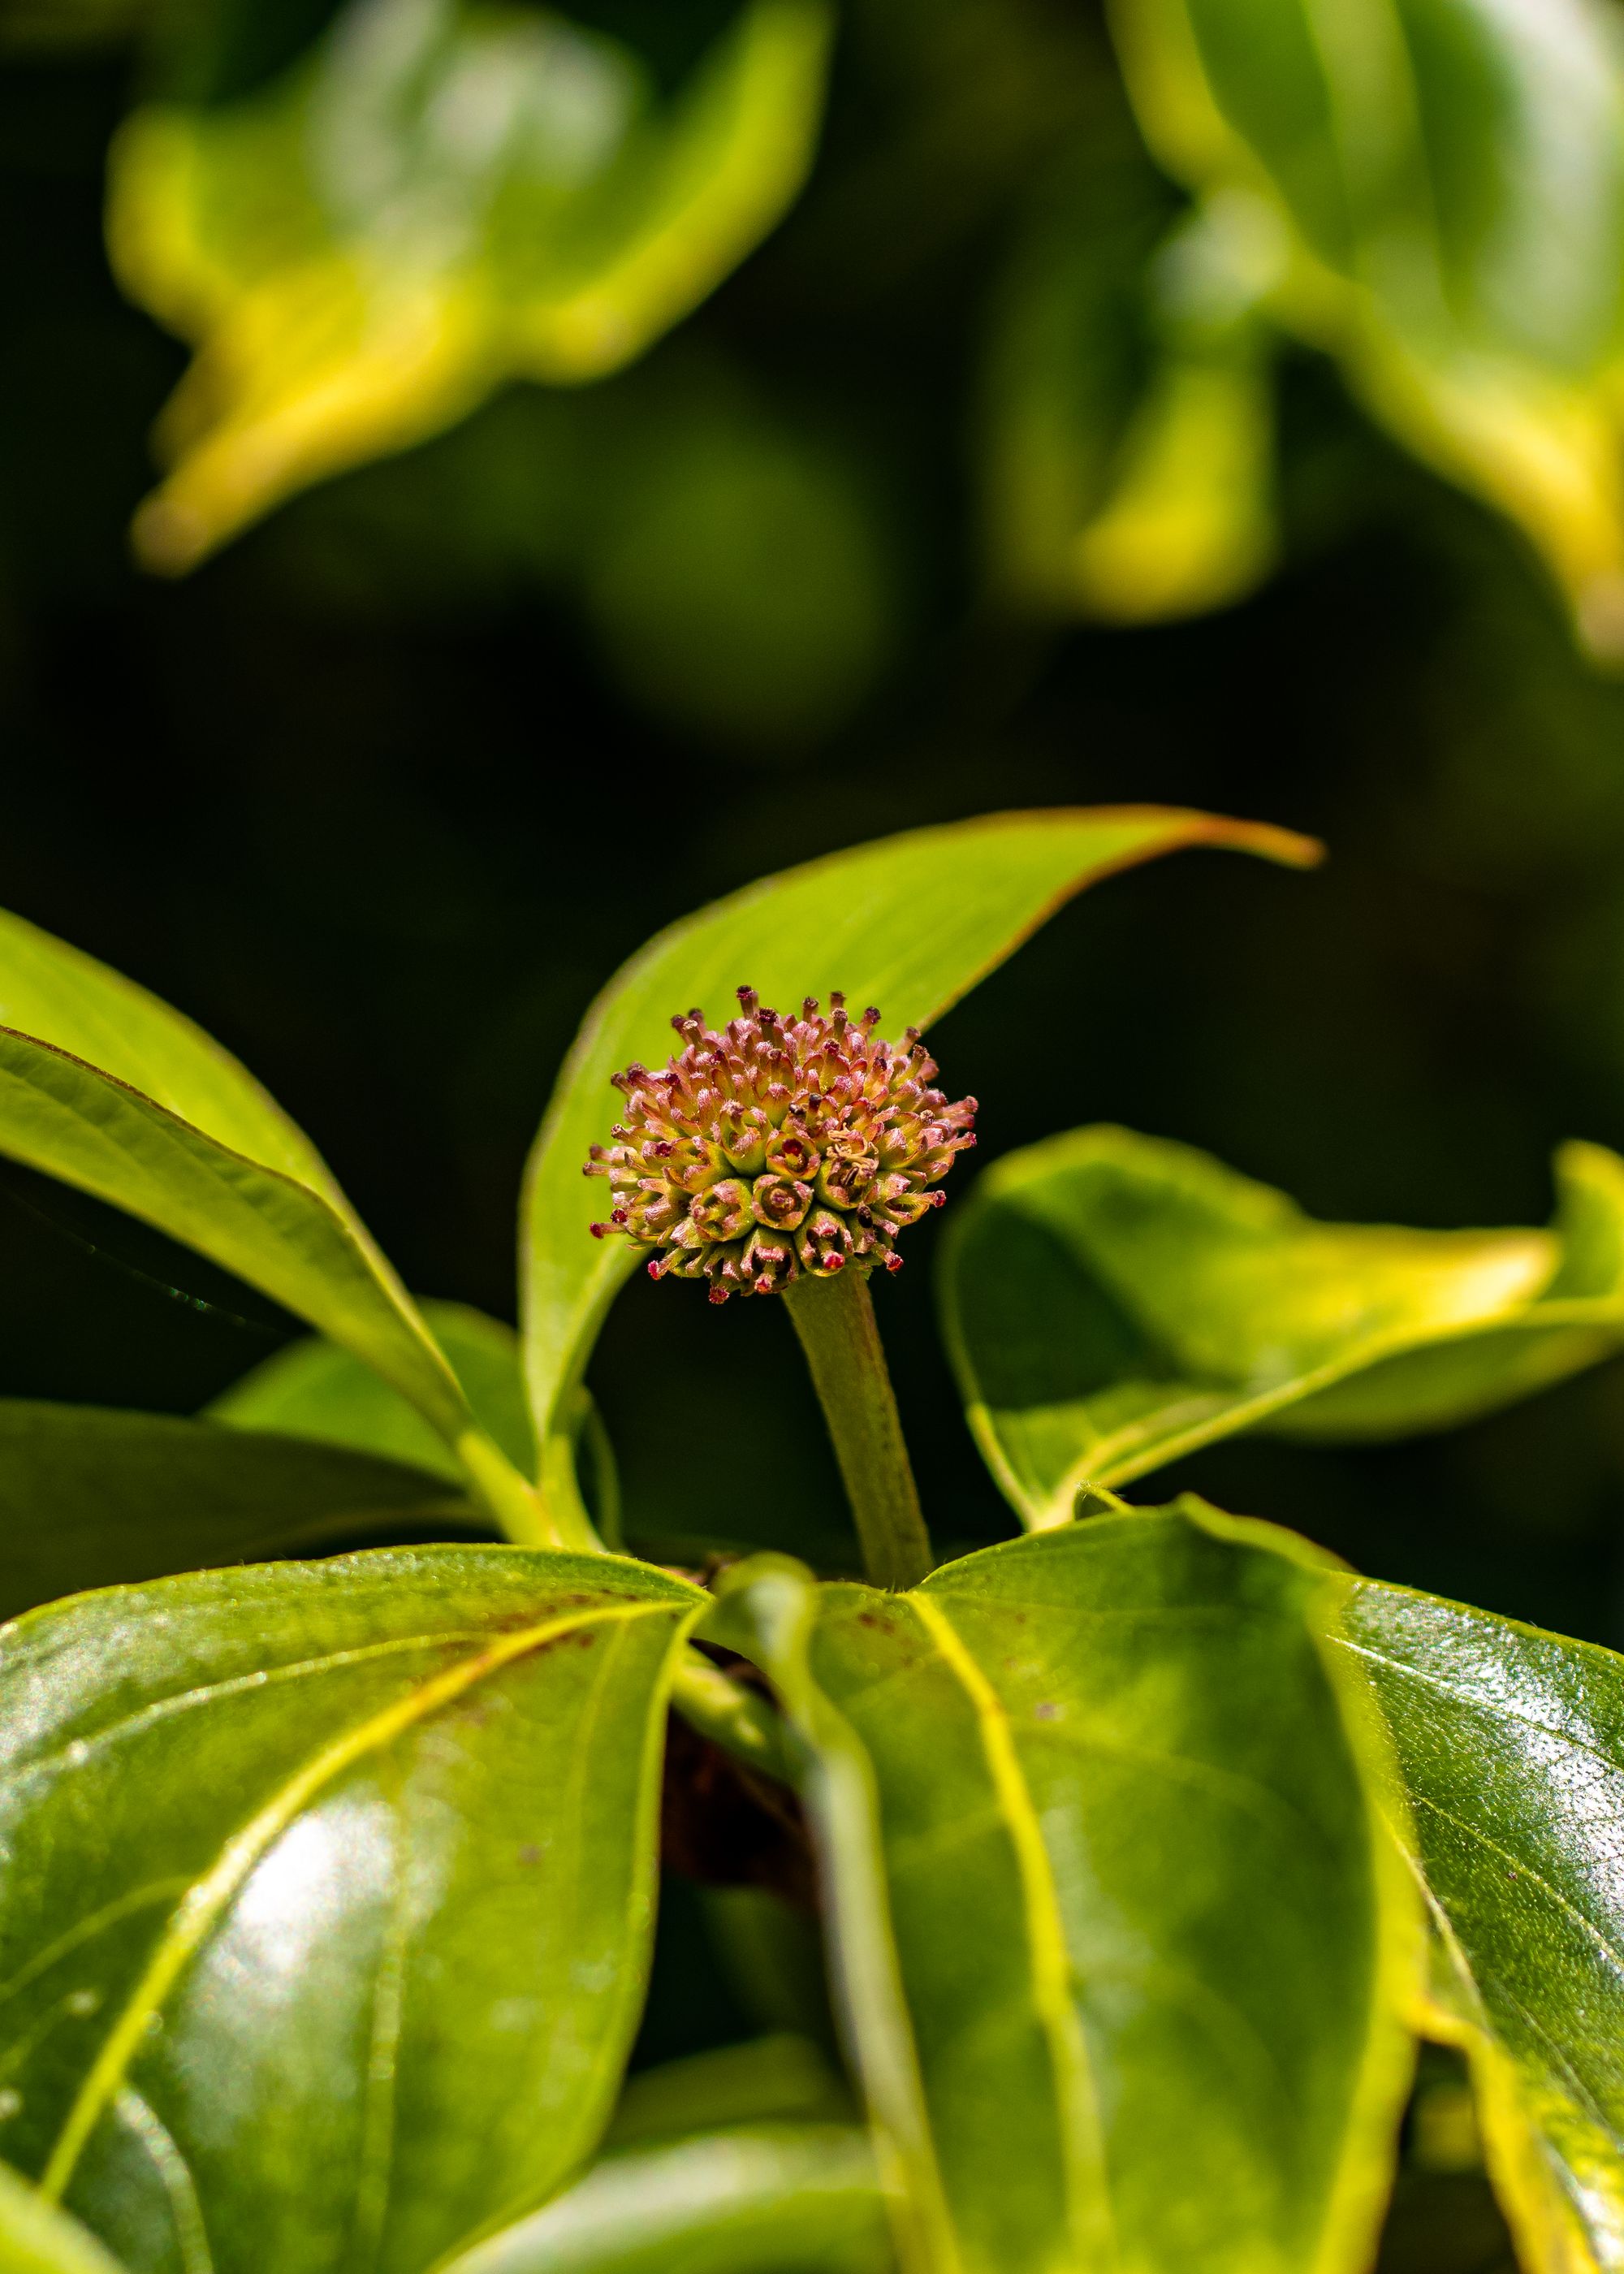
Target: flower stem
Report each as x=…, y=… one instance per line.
x=835, y=1320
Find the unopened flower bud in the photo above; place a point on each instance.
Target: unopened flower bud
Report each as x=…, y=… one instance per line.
x=779, y=1146
x=779, y=1203
x=824, y=1243
x=791, y=1153
x=723, y=1211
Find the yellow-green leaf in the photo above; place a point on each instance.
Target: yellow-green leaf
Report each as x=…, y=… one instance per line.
x=37, y=2238
x=328, y=1896
x=1130, y=416
x=109, y=1089
x=1507, y=1751
x=1124, y=1950
x=797, y=2198
x=444, y=197
x=1448, y=175
x=315, y=1389
x=1113, y=1301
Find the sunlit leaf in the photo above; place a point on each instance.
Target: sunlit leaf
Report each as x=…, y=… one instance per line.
x=1123, y=1947
x=37, y=2238
x=910, y=923
x=1510, y=1749
x=314, y=1390
x=443, y=197
x=796, y=2198
x=1449, y=175
x=1131, y=411
x=89, y=1498
x=109, y=1089
x=328, y=1895
x=1113, y=1301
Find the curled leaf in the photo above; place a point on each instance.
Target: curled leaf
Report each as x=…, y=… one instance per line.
x=445, y=197
x=1112, y=1302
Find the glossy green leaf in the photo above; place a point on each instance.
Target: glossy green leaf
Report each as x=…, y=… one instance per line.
x=1123, y=1947
x=1448, y=177
x=909, y=923
x=327, y=1897
x=109, y=1089
x=753, y=2199
x=1508, y=1746
x=1113, y=1301
x=38, y=2238
x=316, y=1390
x=445, y=197
x=90, y=1498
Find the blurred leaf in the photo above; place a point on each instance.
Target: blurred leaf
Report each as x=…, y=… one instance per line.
x=37, y=2238
x=327, y=1915
x=1127, y=485
x=111, y=1090
x=89, y=1498
x=910, y=922
x=763, y=2079
x=795, y=2198
x=313, y=1389
x=1509, y=1752
x=1449, y=175
x=1113, y=1301
x=1119, y=1751
x=445, y=197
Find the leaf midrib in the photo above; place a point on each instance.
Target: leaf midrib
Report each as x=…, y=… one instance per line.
x=210, y=1693
x=208, y=1897
x=1082, y=2132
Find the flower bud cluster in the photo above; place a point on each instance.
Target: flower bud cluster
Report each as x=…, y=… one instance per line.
x=778, y=1146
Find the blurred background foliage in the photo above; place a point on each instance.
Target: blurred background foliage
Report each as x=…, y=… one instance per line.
x=615, y=452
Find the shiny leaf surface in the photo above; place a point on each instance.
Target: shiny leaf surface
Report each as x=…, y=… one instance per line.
x=1112, y=1301
x=795, y=2198
x=444, y=197
x=1510, y=1749
x=909, y=923
x=1448, y=177
x=109, y=1089
x=316, y=1390
x=89, y=1498
x=328, y=1896
x=1171, y=2038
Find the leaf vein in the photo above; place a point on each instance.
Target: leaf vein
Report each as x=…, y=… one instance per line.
x=208, y=1897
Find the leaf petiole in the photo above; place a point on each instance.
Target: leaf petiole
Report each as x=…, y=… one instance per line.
x=532, y=1515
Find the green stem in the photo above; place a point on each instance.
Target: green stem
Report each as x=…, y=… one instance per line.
x=740, y=1720
x=533, y=1517
x=835, y=1320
